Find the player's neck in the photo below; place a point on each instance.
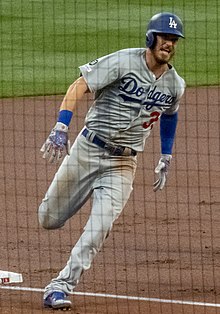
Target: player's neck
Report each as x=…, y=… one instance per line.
x=154, y=66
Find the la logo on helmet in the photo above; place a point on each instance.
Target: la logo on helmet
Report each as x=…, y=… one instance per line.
x=172, y=23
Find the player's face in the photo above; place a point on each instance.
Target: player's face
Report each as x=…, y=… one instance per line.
x=165, y=47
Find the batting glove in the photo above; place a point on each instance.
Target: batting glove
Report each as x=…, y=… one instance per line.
x=162, y=170
x=57, y=143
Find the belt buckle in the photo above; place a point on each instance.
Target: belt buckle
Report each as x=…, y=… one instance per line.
x=114, y=150
x=119, y=150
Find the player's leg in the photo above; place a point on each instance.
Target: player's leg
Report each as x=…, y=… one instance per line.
x=70, y=188
x=111, y=192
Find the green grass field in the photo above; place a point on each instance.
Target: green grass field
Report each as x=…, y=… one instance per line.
x=44, y=41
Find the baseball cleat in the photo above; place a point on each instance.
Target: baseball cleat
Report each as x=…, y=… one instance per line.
x=57, y=300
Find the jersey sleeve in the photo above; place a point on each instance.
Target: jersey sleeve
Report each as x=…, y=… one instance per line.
x=179, y=92
x=101, y=72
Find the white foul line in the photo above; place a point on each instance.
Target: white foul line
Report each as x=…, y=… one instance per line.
x=103, y=295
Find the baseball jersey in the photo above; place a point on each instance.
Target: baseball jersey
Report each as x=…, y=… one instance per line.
x=128, y=97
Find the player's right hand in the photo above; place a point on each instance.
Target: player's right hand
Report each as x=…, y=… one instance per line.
x=57, y=143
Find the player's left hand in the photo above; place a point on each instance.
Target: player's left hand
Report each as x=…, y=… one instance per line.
x=57, y=143
x=162, y=170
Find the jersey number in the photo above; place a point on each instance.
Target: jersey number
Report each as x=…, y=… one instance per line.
x=155, y=116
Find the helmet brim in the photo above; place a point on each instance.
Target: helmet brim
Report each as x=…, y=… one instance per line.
x=173, y=32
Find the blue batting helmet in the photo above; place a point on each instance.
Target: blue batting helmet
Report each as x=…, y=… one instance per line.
x=167, y=23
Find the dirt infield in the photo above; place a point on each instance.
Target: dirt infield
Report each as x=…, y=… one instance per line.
x=165, y=245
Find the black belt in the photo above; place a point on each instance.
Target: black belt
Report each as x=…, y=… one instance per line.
x=115, y=150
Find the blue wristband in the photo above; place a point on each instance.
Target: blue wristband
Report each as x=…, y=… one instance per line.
x=168, y=125
x=65, y=117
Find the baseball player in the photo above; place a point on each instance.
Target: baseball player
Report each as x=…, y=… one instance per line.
x=134, y=88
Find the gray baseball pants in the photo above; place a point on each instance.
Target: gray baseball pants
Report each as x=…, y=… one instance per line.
x=88, y=171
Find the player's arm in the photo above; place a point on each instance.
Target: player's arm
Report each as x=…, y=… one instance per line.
x=57, y=142
x=168, y=124
x=74, y=95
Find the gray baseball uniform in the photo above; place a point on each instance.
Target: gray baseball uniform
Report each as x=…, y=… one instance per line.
x=128, y=101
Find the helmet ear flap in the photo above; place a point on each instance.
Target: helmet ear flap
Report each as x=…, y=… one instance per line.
x=150, y=38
